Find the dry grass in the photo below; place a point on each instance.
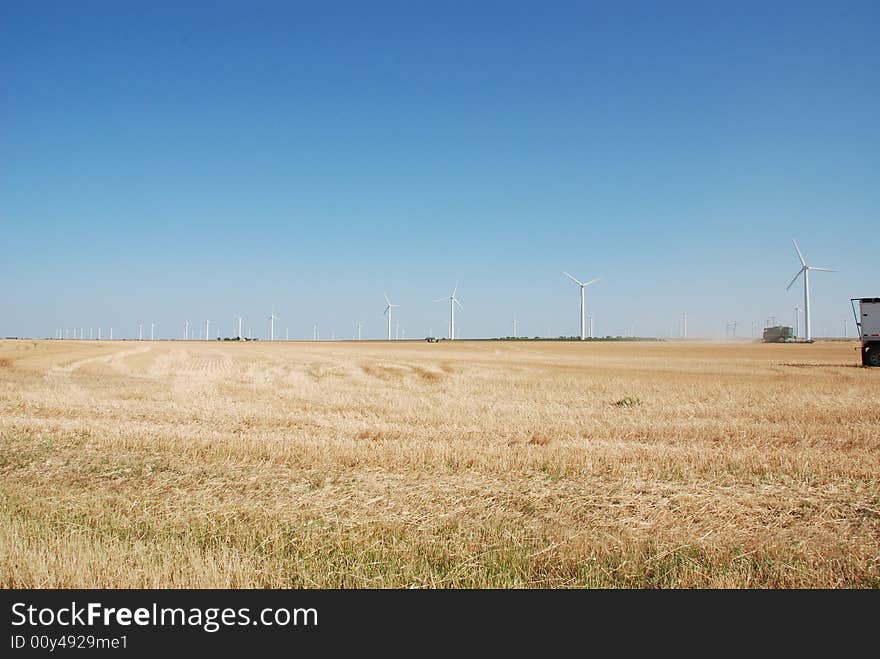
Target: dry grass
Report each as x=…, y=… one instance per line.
x=437, y=465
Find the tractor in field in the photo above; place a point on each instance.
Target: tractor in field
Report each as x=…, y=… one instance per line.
x=779, y=334
x=868, y=324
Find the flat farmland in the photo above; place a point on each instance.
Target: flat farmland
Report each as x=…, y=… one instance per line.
x=466, y=464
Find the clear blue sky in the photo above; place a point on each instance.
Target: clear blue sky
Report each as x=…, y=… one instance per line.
x=172, y=161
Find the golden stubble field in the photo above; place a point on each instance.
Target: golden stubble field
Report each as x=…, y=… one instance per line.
x=407, y=464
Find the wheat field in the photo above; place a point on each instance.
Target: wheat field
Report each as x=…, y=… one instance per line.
x=408, y=464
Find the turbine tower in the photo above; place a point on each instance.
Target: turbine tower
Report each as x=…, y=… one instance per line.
x=515, y=325
x=360, y=326
x=272, y=318
x=582, y=286
x=207, y=330
x=388, y=308
x=805, y=271
x=239, y=327
x=452, y=302
x=185, y=330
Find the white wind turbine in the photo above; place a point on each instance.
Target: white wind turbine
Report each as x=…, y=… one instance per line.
x=239, y=327
x=388, y=308
x=805, y=271
x=360, y=326
x=452, y=302
x=272, y=318
x=582, y=286
x=207, y=330
x=185, y=330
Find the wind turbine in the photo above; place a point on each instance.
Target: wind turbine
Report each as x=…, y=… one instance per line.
x=515, y=325
x=388, y=308
x=805, y=271
x=452, y=302
x=152, y=327
x=185, y=330
x=207, y=330
x=360, y=326
x=140, y=331
x=582, y=286
x=272, y=318
x=239, y=327
x=797, y=322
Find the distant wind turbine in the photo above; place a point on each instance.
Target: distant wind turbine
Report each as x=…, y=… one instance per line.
x=515, y=325
x=239, y=327
x=207, y=330
x=582, y=286
x=805, y=271
x=388, y=308
x=452, y=302
x=360, y=326
x=272, y=318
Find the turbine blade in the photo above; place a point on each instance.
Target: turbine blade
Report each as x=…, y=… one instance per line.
x=576, y=281
x=592, y=281
x=387, y=301
x=458, y=303
x=440, y=299
x=795, y=278
x=798, y=249
x=454, y=289
x=821, y=269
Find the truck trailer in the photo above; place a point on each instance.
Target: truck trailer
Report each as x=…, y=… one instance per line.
x=868, y=323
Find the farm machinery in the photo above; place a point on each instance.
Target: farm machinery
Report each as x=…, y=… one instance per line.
x=868, y=324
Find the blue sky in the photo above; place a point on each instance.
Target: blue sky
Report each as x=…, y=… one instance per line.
x=161, y=163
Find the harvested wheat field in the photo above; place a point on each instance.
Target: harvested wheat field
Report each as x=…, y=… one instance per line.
x=407, y=464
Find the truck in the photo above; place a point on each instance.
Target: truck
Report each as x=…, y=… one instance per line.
x=779, y=334
x=868, y=324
